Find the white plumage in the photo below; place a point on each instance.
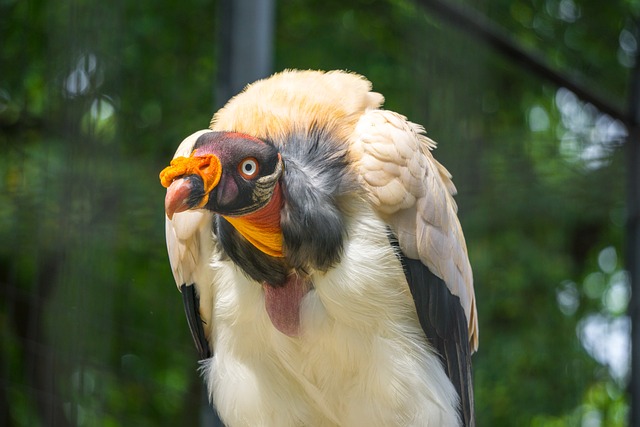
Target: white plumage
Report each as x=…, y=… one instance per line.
x=357, y=363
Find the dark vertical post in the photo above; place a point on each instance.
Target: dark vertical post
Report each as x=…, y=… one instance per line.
x=633, y=241
x=245, y=45
x=245, y=54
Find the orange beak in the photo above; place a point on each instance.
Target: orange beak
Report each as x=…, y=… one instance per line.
x=208, y=167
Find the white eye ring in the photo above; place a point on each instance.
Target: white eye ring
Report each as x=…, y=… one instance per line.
x=248, y=168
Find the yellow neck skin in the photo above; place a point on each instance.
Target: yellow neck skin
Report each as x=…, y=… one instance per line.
x=262, y=228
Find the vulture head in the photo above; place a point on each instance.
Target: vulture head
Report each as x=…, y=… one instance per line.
x=234, y=175
x=228, y=173
x=269, y=197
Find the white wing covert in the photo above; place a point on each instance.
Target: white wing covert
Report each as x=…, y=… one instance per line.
x=414, y=194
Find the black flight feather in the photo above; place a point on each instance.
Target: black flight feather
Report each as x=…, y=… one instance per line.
x=192, y=310
x=445, y=324
x=191, y=303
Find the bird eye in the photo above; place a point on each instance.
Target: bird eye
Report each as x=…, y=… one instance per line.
x=248, y=168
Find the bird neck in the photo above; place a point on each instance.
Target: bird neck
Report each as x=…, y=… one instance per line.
x=262, y=227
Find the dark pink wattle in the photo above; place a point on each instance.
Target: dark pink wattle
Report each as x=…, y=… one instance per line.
x=283, y=304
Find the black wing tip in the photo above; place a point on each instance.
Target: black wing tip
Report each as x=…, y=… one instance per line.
x=444, y=323
x=192, y=311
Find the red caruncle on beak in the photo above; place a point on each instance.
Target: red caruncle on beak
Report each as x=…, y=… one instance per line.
x=207, y=167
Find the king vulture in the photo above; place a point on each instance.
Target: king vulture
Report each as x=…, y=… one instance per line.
x=323, y=269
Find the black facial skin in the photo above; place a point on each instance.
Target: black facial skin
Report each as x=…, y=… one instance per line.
x=196, y=192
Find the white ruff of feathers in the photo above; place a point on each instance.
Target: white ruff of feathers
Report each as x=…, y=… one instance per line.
x=361, y=360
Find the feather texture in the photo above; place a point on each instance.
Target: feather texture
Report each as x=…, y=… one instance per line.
x=298, y=100
x=362, y=358
x=414, y=194
x=443, y=321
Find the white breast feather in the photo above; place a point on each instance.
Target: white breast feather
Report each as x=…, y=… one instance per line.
x=362, y=360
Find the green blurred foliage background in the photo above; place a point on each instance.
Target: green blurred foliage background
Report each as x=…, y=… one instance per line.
x=95, y=96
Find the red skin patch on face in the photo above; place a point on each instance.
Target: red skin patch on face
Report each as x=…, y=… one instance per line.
x=262, y=228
